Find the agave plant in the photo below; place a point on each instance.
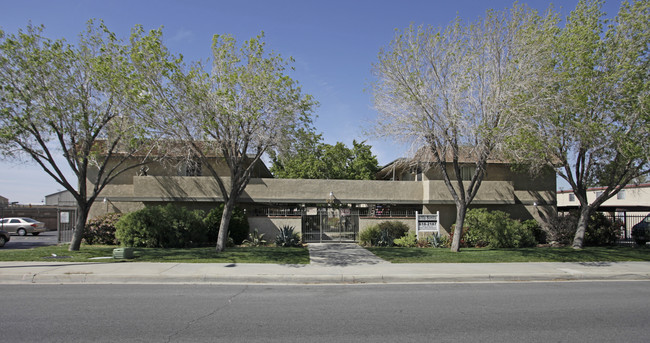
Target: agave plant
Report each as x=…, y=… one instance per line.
x=287, y=238
x=255, y=239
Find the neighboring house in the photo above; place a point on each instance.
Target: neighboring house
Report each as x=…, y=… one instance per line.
x=330, y=209
x=4, y=202
x=60, y=199
x=630, y=205
x=633, y=199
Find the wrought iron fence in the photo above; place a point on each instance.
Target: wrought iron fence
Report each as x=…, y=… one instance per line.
x=361, y=212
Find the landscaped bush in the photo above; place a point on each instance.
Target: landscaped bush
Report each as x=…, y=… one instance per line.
x=394, y=229
x=408, y=241
x=383, y=234
x=162, y=227
x=495, y=229
x=600, y=230
x=370, y=236
x=287, y=238
x=562, y=229
x=101, y=230
x=237, y=229
x=533, y=226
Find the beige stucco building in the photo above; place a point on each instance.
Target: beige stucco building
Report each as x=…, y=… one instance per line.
x=633, y=199
x=628, y=206
x=309, y=205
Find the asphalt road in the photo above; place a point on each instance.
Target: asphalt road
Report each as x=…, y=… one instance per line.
x=479, y=312
x=29, y=241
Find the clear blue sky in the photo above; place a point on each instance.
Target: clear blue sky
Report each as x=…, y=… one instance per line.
x=334, y=44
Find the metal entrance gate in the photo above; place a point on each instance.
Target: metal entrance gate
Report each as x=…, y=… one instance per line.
x=67, y=218
x=330, y=225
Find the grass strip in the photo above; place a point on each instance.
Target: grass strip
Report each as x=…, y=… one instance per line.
x=484, y=255
x=193, y=255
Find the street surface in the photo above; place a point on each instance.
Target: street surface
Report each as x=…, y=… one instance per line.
x=29, y=241
x=458, y=312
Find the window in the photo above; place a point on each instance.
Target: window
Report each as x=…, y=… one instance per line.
x=466, y=172
x=13, y=221
x=572, y=197
x=599, y=193
x=621, y=195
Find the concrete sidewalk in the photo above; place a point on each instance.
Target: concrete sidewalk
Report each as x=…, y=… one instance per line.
x=220, y=273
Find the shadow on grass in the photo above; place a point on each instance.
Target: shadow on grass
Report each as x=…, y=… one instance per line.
x=230, y=255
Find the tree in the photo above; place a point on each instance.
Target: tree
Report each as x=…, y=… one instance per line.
x=588, y=118
x=243, y=108
x=57, y=99
x=302, y=158
x=455, y=90
x=310, y=158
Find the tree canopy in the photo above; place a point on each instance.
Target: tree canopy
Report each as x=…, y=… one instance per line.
x=310, y=158
x=67, y=106
x=454, y=91
x=588, y=117
x=246, y=106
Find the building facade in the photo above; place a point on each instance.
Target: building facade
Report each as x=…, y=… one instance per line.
x=332, y=209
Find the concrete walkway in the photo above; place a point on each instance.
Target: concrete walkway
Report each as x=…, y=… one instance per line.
x=341, y=254
x=317, y=273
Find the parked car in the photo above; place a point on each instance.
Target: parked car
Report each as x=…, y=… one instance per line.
x=4, y=238
x=641, y=231
x=22, y=226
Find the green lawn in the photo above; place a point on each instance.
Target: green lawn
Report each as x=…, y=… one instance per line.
x=194, y=255
x=484, y=255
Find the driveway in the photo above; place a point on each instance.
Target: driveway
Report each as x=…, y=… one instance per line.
x=29, y=241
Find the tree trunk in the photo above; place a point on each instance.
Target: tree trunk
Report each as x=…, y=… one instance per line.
x=461, y=209
x=79, y=227
x=578, y=240
x=222, y=238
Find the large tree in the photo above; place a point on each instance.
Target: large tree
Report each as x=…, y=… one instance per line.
x=310, y=158
x=246, y=106
x=68, y=107
x=589, y=118
x=454, y=91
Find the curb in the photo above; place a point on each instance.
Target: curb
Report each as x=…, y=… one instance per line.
x=89, y=278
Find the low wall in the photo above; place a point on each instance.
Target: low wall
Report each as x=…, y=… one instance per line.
x=269, y=226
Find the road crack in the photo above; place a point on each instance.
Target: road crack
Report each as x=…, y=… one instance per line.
x=195, y=320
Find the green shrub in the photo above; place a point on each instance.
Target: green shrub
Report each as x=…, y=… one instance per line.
x=287, y=238
x=533, y=226
x=383, y=234
x=408, y=241
x=394, y=229
x=370, y=236
x=237, y=229
x=495, y=229
x=600, y=230
x=162, y=227
x=101, y=230
x=445, y=241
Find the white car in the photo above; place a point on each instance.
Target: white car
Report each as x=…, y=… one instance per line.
x=22, y=226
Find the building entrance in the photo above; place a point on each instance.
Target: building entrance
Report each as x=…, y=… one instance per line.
x=322, y=225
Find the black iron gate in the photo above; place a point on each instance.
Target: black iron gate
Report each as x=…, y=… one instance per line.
x=330, y=225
